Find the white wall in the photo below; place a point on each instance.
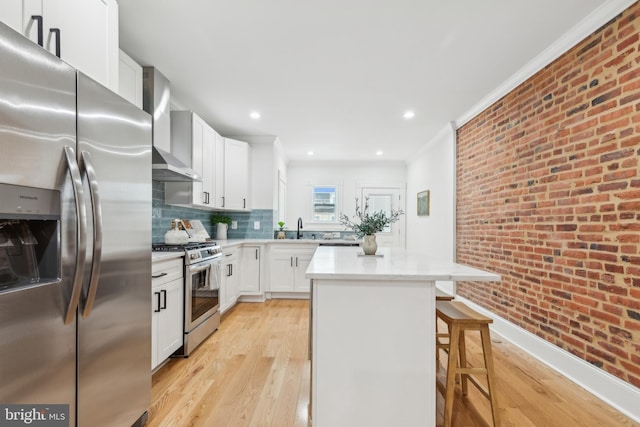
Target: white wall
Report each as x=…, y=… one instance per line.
x=348, y=178
x=433, y=169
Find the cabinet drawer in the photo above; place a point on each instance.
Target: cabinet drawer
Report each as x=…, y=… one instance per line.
x=164, y=271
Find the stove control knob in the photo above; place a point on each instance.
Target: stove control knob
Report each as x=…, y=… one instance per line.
x=194, y=256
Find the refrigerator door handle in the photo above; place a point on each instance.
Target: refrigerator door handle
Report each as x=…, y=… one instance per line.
x=96, y=205
x=81, y=229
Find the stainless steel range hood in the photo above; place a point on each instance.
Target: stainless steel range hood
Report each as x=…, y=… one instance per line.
x=156, y=97
x=166, y=167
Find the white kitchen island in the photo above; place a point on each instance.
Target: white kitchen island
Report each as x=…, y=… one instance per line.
x=373, y=336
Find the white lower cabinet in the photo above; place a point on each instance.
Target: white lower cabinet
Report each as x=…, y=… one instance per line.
x=167, y=309
x=229, y=288
x=287, y=267
x=250, y=270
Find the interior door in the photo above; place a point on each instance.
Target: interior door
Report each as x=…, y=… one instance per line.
x=385, y=199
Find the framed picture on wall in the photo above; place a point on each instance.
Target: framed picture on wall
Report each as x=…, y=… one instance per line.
x=423, y=203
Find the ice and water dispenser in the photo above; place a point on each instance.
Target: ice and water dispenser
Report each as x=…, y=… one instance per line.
x=29, y=237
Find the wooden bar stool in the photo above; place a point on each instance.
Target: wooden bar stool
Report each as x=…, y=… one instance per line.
x=441, y=296
x=460, y=318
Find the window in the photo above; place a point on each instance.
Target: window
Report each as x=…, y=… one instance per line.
x=324, y=204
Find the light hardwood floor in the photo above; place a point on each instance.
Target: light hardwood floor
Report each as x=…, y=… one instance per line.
x=254, y=372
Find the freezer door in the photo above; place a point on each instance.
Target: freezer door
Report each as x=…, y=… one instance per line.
x=37, y=120
x=114, y=328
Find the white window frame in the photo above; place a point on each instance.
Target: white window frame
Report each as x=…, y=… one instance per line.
x=335, y=205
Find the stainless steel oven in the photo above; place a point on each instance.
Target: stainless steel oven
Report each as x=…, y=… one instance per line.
x=202, y=277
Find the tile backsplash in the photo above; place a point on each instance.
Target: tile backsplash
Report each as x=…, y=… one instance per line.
x=162, y=214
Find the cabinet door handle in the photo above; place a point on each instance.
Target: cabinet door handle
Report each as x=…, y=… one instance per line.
x=223, y=201
x=231, y=267
x=164, y=304
x=228, y=270
x=56, y=32
x=244, y=203
x=157, y=310
x=256, y=254
x=158, y=275
x=38, y=19
x=296, y=261
x=291, y=259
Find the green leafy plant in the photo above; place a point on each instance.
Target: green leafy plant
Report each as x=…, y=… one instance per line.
x=369, y=223
x=220, y=218
x=281, y=225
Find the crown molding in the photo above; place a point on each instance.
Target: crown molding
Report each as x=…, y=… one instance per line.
x=599, y=17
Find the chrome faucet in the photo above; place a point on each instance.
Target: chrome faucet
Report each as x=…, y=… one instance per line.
x=299, y=233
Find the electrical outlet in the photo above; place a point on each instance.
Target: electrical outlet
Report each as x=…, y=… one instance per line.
x=234, y=225
x=256, y=225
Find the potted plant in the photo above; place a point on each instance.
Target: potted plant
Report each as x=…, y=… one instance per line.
x=369, y=224
x=281, y=233
x=222, y=223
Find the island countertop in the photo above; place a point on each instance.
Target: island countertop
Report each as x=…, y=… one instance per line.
x=372, y=335
x=343, y=263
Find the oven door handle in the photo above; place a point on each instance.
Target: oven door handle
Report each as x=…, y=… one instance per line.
x=193, y=269
x=207, y=268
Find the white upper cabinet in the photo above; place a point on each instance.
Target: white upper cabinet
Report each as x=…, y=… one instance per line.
x=130, y=80
x=223, y=164
x=194, y=142
x=84, y=33
x=236, y=175
x=218, y=169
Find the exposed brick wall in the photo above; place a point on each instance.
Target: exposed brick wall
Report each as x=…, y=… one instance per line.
x=548, y=195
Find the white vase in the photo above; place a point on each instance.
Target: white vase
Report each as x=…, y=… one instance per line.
x=369, y=246
x=221, y=231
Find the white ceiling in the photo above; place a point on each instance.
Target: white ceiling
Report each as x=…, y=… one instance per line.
x=336, y=76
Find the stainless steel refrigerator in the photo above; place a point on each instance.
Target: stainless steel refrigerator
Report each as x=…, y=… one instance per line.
x=75, y=234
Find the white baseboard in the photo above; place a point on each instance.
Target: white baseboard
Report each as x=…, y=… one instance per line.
x=252, y=298
x=287, y=295
x=621, y=395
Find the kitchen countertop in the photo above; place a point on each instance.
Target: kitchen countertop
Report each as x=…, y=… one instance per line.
x=231, y=243
x=236, y=242
x=343, y=263
x=372, y=332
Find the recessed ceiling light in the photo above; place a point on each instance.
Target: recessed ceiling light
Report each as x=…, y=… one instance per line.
x=310, y=153
x=254, y=115
x=409, y=114
x=379, y=153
